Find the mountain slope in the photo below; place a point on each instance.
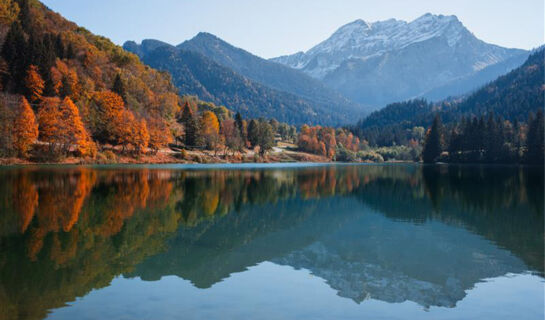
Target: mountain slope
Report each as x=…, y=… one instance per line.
x=195, y=74
x=467, y=84
x=268, y=73
x=387, y=61
x=512, y=96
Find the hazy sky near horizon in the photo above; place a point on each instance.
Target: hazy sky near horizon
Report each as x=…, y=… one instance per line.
x=278, y=27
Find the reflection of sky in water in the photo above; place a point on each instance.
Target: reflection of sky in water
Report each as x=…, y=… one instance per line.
x=270, y=291
x=397, y=242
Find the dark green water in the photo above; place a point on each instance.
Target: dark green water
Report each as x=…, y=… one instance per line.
x=272, y=242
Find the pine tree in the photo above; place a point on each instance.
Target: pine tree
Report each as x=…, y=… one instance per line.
x=59, y=47
x=70, y=53
x=119, y=87
x=25, y=129
x=15, y=52
x=25, y=15
x=493, y=140
x=190, y=125
x=240, y=125
x=253, y=133
x=535, y=140
x=48, y=56
x=433, y=145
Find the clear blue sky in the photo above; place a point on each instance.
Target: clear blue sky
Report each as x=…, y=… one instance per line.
x=277, y=27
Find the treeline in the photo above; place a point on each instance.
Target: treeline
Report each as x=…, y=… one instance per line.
x=344, y=146
x=486, y=140
x=327, y=142
x=216, y=131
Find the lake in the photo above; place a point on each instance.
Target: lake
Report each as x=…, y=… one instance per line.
x=401, y=241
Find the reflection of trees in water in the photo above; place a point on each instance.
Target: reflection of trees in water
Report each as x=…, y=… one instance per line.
x=66, y=231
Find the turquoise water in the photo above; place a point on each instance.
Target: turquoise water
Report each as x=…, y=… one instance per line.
x=272, y=242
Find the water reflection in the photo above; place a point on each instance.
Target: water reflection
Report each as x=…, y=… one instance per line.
x=392, y=233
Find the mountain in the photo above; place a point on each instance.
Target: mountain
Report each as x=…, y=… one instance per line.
x=393, y=60
x=265, y=72
x=195, y=74
x=212, y=79
x=512, y=96
x=467, y=84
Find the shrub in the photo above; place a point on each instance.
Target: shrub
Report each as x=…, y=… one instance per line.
x=345, y=155
x=370, y=156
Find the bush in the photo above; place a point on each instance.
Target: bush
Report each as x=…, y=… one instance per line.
x=370, y=156
x=398, y=153
x=345, y=155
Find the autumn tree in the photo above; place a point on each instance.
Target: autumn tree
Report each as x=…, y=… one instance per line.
x=50, y=124
x=6, y=130
x=210, y=130
x=140, y=136
x=74, y=132
x=109, y=117
x=34, y=84
x=25, y=129
x=159, y=134
x=231, y=132
x=9, y=11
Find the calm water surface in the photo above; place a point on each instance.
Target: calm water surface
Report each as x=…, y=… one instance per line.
x=272, y=242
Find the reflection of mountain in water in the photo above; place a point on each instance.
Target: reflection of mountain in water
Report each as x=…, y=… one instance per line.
x=412, y=249
x=431, y=264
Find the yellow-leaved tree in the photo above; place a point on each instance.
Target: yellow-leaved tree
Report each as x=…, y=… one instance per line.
x=210, y=129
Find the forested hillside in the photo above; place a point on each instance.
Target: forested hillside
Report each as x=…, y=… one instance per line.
x=269, y=73
x=68, y=93
x=511, y=97
x=71, y=89
x=195, y=74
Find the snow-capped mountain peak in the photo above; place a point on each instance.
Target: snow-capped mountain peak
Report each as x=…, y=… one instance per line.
x=366, y=60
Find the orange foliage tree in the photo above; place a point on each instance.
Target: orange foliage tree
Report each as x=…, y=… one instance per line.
x=74, y=131
x=25, y=128
x=159, y=134
x=109, y=117
x=140, y=136
x=34, y=84
x=50, y=124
